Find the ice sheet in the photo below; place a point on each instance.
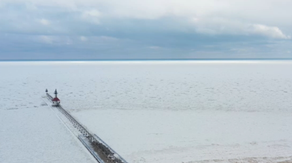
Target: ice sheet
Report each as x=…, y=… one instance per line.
x=169, y=111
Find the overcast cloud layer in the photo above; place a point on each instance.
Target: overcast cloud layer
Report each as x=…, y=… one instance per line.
x=152, y=29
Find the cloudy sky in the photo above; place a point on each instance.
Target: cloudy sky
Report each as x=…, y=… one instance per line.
x=151, y=29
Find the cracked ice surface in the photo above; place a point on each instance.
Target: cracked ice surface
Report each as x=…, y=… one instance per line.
x=29, y=130
x=169, y=112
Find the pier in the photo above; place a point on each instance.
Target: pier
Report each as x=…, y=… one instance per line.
x=102, y=152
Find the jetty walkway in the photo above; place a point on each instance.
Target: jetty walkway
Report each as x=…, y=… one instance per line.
x=102, y=152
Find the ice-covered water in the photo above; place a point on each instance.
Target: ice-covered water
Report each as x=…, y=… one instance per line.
x=169, y=111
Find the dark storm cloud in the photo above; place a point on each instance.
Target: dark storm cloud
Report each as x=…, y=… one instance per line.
x=145, y=30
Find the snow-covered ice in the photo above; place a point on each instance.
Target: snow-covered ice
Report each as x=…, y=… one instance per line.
x=169, y=112
x=36, y=135
x=30, y=132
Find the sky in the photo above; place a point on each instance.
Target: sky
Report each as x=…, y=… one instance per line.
x=152, y=29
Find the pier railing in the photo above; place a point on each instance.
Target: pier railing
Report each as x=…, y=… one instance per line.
x=104, y=151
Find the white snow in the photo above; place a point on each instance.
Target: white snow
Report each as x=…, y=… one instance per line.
x=29, y=130
x=169, y=112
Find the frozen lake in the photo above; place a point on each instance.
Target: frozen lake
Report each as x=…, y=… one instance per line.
x=168, y=112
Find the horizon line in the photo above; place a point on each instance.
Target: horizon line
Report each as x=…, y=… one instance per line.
x=197, y=59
